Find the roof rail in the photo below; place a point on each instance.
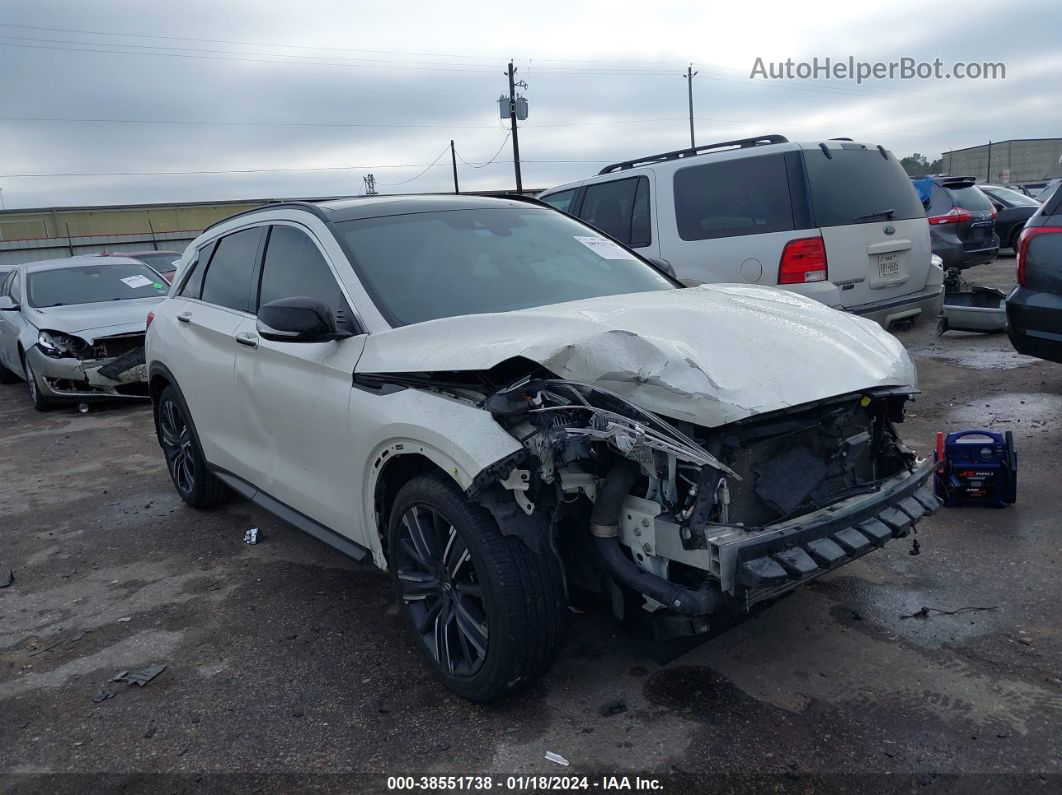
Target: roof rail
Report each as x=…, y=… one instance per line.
x=280, y=204
x=759, y=140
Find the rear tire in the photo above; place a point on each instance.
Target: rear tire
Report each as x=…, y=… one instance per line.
x=40, y=402
x=195, y=483
x=1014, y=235
x=487, y=612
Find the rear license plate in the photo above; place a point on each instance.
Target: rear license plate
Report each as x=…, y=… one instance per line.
x=889, y=266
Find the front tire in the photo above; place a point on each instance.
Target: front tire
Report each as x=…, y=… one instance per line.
x=40, y=402
x=194, y=482
x=487, y=612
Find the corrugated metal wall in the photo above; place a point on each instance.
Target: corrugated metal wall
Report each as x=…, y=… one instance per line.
x=1012, y=161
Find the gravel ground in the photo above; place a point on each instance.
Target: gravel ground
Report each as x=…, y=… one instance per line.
x=286, y=659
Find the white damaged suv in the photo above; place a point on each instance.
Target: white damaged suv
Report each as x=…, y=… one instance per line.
x=508, y=411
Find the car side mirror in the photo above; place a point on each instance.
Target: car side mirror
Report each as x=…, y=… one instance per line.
x=8, y=304
x=298, y=319
x=998, y=206
x=663, y=265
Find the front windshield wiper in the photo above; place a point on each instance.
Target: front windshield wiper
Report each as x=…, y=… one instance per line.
x=871, y=216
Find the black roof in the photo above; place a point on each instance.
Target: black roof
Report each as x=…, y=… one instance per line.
x=383, y=206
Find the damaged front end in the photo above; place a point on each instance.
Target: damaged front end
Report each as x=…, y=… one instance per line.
x=73, y=367
x=687, y=522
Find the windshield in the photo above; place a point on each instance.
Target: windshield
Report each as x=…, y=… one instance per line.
x=90, y=284
x=1013, y=197
x=855, y=186
x=425, y=266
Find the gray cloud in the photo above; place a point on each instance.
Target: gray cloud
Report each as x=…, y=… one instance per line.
x=595, y=111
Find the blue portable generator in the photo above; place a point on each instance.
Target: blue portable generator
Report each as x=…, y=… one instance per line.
x=976, y=468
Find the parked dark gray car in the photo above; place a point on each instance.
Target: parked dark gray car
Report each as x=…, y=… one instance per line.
x=1013, y=209
x=1034, y=308
x=73, y=329
x=962, y=224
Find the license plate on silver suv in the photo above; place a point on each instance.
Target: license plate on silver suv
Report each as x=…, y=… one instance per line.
x=889, y=266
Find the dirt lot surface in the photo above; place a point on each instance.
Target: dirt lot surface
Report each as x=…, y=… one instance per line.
x=286, y=658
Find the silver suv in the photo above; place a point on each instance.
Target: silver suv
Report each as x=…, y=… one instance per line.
x=837, y=221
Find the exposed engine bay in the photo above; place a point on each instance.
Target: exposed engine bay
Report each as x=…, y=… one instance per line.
x=684, y=521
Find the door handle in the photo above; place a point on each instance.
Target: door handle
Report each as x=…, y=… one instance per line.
x=248, y=339
x=184, y=317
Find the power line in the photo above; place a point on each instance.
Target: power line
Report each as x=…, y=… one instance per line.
x=212, y=123
x=277, y=170
x=488, y=162
x=421, y=174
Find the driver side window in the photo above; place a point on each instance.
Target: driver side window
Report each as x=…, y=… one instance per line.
x=294, y=267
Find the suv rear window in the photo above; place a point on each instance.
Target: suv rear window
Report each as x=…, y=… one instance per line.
x=858, y=183
x=970, y=198
x=747, y=196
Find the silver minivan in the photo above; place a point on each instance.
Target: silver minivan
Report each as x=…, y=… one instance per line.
x=836, y=220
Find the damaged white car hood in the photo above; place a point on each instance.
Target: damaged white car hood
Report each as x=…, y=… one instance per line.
x=92, y=321
x=711, y=354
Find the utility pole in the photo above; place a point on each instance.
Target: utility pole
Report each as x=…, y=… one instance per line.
x=689, y=78
x=512, y=122
x=988, y=168
x=453, y=159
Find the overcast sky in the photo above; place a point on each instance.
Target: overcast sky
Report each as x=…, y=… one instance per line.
x=347, y=88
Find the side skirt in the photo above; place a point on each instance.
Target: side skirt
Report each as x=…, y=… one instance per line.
x=288, y=514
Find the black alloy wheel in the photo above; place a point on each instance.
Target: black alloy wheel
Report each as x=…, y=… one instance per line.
x=441, y=590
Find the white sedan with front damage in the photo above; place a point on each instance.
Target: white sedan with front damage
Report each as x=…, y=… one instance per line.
x=510, y=412
x=73, y=328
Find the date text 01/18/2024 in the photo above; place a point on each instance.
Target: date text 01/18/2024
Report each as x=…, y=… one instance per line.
x=523, y=783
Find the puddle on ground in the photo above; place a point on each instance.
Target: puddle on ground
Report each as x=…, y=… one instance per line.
x=975, y=352
x=1015, y=410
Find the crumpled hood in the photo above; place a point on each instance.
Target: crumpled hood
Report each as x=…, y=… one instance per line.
x=91, y=321
x=711, y=354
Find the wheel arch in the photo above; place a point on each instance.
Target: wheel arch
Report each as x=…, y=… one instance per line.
x=391, y=466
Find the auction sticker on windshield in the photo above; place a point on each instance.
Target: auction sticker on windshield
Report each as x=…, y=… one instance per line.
x=137, y=281
x=605, y=249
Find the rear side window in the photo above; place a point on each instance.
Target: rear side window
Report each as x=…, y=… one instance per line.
x=561, y=201
x=748, y=196
x=193, y=282
x=853, y=186
x=293, y=267
x=228, y=278
x=613, y=207
x=970, y=198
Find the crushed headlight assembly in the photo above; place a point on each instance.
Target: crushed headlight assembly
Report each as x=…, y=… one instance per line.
x=57, y=344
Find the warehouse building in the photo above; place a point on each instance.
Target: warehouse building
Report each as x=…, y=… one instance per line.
x=31, y=235
x=1008, y=162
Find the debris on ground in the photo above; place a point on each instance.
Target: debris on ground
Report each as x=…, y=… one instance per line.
x=59, y=642
x=610, y=708
x=9, y=580
x=251, y=536
x=102, y=695
x=560, y=760
x=926, y=612
x=141, y=677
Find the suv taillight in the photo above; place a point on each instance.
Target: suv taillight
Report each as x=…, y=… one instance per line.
x=150, y=317
x=956, y=215
x=803, y=261
x=1027, y=234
